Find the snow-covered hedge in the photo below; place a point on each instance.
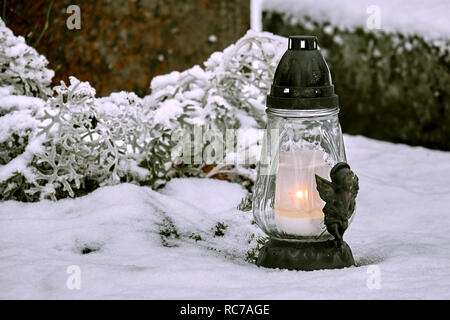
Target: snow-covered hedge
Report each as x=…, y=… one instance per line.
x=74, y=142
x=392, y=86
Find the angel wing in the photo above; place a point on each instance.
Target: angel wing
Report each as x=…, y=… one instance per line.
x=353, y=192
x=325, y=188
x=355, y=187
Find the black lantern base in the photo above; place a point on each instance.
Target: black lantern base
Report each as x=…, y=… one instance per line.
x=307, y=256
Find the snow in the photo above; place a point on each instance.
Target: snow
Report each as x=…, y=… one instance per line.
x=401, y=227
x=16, y=165
x=18, y=50
x=19, y=118
x=20, y=163
x=9, y=102
x=16, y=122
x=168, y=110
x=426, y=18
x=164, y=80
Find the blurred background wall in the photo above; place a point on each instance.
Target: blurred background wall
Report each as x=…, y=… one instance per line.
x=393, y=81
x=123, y=44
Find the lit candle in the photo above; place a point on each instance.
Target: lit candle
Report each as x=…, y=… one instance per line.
x=298, y=206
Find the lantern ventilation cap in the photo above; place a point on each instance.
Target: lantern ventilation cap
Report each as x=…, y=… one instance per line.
x=302, y=80
x=302, y=43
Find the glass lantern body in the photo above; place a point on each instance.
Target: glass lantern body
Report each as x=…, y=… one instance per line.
x=298, y=144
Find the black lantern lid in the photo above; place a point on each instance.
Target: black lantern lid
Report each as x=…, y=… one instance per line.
x=302, y=79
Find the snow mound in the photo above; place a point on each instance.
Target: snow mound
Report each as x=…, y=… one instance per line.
x=124, y=231
x=132, y=242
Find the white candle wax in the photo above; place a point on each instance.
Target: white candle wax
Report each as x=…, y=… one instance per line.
x=300, y=224
x=298, y=206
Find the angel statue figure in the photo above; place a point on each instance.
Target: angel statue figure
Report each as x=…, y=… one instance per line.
x=339, y=196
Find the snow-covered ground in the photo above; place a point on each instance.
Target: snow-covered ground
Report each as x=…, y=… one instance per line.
x=402, y=227
x=428, y=18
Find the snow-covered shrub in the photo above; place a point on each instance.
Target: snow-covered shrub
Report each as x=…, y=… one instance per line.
x=16, y=123
x=24, y=83
x=22, y=67
x=18, y=126
x=242, y=75
x=78, y=143
x=229, y=93
x=88, y=143
x=148, y=141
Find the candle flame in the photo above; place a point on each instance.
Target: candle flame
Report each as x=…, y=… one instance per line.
x=301, y=194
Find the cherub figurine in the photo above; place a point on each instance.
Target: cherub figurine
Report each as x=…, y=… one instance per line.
x=339, y=195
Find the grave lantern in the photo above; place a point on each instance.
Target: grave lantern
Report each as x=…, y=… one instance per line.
x=304, y=196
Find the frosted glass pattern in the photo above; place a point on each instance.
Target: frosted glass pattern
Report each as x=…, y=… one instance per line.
x=297, y=146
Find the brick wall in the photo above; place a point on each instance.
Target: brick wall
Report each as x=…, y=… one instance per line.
x=123, y=44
